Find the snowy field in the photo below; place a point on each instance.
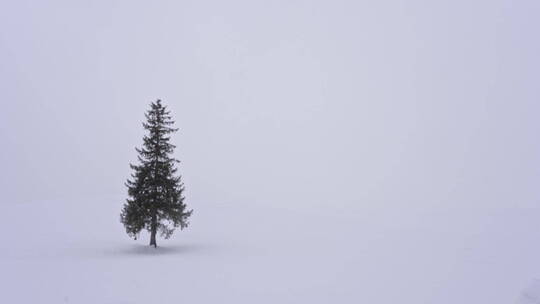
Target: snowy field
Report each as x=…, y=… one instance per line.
x=363, y=152
x=244, y=253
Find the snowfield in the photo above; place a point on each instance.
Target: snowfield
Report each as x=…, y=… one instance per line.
x=249, y=253
x=333, y=152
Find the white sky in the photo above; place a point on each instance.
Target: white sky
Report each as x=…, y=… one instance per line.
x=279, y=102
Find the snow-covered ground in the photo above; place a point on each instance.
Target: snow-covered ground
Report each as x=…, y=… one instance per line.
x=366, y=152
x=249, y=253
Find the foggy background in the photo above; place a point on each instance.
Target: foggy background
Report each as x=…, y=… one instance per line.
x=404, y=108
x=282, y=102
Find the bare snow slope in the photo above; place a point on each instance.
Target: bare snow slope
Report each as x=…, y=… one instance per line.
x=248, y=253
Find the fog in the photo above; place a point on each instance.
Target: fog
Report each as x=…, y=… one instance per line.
x=384, y=107
x=291, y=102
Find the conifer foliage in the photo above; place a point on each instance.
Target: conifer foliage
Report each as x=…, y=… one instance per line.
x=155, y=200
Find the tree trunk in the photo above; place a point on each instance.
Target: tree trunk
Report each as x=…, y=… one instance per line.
x=153, y=232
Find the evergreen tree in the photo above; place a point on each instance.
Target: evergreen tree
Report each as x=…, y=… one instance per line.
x=155, y=200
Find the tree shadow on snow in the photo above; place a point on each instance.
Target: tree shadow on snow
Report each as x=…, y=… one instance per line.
x=145, y=250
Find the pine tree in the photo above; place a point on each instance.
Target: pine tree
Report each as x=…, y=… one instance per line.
x=155, y=200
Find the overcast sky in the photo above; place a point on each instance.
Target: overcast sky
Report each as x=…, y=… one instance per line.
x=334, y=103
